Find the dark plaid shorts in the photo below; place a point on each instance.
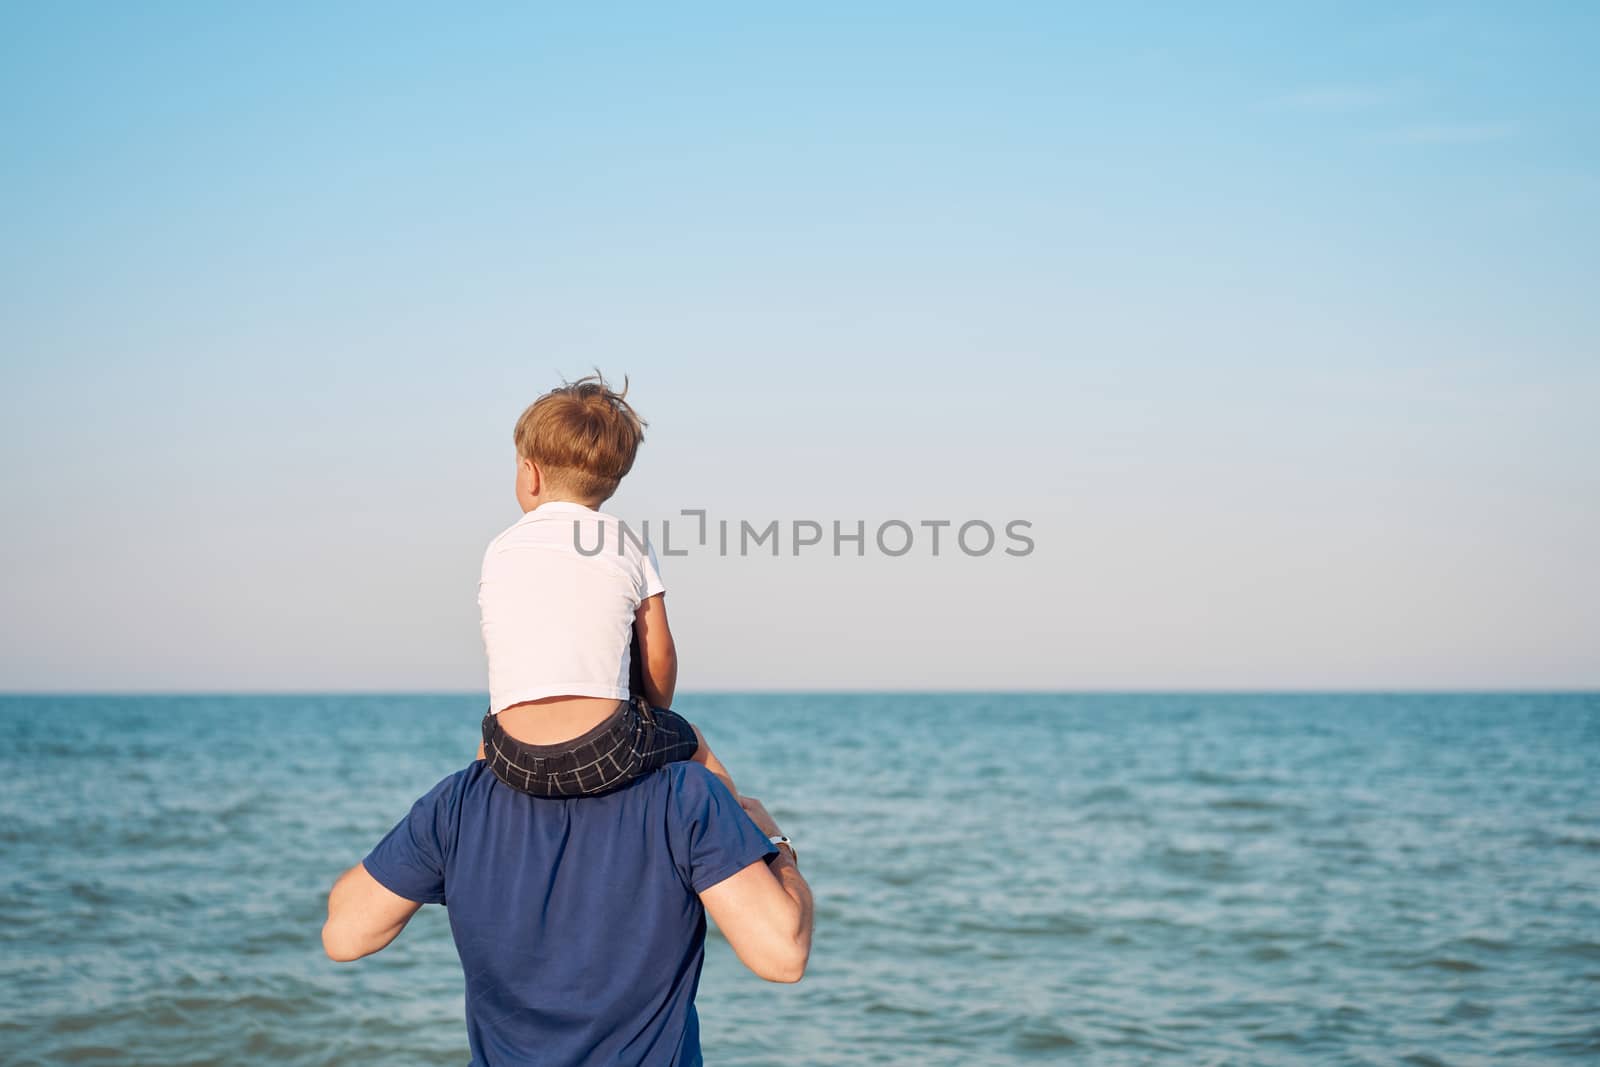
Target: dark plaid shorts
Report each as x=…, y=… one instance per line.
x=634, y=741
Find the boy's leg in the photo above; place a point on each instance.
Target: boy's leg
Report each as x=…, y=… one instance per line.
x=708, y=759
x=667, y=737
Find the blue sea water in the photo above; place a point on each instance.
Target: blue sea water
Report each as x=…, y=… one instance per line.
x=1001, y=879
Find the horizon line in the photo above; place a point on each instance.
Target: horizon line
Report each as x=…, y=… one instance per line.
x=860, y=691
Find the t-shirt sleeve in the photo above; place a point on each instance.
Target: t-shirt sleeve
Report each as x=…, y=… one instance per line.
x=649, y=573
x=715, y=838
x=484, y=575
x=410, y=860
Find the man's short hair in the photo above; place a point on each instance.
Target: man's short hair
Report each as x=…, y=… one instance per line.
x=582, y=435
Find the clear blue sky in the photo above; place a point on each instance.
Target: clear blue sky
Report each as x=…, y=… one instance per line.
x=1277, y=322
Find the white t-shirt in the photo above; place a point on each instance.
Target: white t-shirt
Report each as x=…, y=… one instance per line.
x=558, y=621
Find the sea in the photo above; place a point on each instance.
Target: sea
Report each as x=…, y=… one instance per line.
x=1000, y=879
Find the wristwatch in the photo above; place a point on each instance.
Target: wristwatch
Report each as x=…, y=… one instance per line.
x=784, y=843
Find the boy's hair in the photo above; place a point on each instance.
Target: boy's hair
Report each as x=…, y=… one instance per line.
x=583, y=435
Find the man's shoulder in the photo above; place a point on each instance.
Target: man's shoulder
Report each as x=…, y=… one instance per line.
x=461, y=793
x=466, y=796
x=697, y=795
x=687, y=791
x=449, y=790
x=686, y=776
x=679, y=784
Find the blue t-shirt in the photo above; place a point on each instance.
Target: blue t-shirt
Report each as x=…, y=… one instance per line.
x=577, y=921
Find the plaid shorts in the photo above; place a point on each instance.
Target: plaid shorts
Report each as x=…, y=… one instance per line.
x=635, y=740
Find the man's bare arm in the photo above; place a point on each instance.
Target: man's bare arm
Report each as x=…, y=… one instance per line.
x=765, y=910
x=363, y=916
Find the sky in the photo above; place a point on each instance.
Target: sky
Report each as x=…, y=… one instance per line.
x=1273, y=323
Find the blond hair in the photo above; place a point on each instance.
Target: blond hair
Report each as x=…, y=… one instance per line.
x=582, y=435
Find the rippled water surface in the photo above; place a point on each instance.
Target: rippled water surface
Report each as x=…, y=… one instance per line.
x=1000, y=879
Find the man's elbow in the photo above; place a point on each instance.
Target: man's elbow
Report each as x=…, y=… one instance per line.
x=339, y=945
x=787, y=967
x=787, y=976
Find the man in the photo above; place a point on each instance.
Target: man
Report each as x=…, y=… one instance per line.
x=580, y=923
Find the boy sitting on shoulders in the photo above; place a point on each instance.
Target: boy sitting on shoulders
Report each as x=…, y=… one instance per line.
x=562, y=627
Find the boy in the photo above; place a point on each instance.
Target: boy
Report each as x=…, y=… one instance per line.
x=570, y=602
